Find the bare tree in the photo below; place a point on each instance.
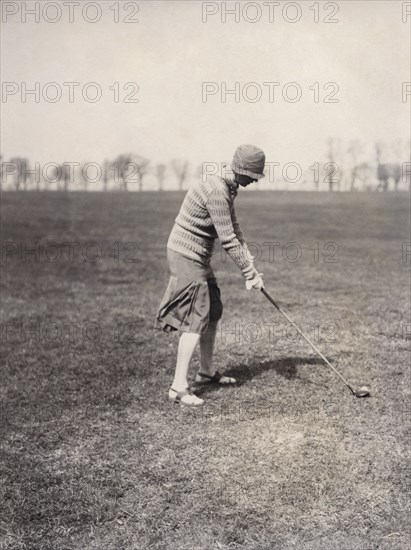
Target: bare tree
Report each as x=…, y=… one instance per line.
x=57, y=176
x=38, y=183
x=397, y=148
x=331, y=156
x=406, y=167
x=51, y=176
x=130, y=168
x=26, y=174
x=364, y=174
x=354, y=149
x=106, y=175
x=378, y=147
x=180, y=168
x=18, y=175
x=65, y=176
x=121, y=168
x=46, y=179
x=160, y=174
x=387, y=171
x=142, y=165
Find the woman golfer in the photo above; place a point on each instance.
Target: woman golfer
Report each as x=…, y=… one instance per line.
x=191, y=303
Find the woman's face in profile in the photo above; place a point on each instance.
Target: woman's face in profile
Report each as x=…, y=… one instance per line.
x=243, y=180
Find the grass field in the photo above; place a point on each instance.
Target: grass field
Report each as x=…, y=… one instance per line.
x=94, y=456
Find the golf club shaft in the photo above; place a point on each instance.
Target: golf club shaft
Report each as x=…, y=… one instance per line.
x=306, y=339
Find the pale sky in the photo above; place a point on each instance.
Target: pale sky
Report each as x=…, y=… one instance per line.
x=170, y=52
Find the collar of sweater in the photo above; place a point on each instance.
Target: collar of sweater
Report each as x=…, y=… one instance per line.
x=232, y=186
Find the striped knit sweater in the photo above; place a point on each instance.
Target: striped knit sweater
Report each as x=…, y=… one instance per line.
x=207, y=213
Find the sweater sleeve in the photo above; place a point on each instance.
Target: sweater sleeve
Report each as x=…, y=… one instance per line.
x=218, y=206
x=237, y=228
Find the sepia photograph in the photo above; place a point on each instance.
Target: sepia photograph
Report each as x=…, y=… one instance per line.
x=205, y=275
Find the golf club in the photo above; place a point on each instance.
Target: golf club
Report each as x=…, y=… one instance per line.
x=363, y=391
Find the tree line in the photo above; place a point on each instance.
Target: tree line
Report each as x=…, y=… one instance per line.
x=353, y=166
x=362, y=167
x=122, y=173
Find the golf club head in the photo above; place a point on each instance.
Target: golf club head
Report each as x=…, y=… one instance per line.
x=363, y=391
